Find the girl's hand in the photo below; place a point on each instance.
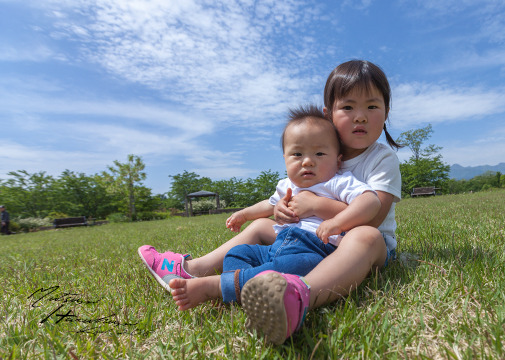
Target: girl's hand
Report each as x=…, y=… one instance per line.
x=301, y=204
x=235, y=221
x=328, y=228
x=282, y=213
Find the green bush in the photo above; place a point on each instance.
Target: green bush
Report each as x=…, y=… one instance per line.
x=117, y=218
x=57, y=215
x=30, y=224
x=14, y=226
x=206, y=204
x=152, y=215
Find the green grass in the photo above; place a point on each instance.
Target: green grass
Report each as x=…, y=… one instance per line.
x=444, y=299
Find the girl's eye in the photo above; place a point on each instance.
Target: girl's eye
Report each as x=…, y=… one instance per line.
x=319, y=154
x=347, y=107
x=373, y=107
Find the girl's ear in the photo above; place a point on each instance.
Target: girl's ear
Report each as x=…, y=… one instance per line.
x=339, y=161
x=325, y=111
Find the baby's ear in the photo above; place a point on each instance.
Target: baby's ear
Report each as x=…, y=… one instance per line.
x=339, y=161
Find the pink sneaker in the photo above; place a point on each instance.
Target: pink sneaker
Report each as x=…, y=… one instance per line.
x=164, y=267
x=275, y=304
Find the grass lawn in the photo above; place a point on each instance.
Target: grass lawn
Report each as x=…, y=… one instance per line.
x=84, y=293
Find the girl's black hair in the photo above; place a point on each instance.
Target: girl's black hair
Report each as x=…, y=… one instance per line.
x=364, y=75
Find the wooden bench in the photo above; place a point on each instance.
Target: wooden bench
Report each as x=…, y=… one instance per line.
x=70, y=221
x=421, y=191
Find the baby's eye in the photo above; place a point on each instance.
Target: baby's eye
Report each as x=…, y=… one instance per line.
x=297, y=154
x=320, y=154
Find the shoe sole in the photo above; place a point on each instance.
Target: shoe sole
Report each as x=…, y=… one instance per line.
x=153, y=273
x=263, y=302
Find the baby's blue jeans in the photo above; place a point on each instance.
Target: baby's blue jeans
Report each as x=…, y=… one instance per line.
x=295, y=251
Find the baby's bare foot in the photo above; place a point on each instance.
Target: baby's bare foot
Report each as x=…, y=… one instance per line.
x=188, y=293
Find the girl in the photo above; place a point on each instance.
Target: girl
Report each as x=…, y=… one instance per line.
x=357, y=99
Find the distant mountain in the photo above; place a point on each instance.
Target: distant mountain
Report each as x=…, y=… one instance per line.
x=459, y=172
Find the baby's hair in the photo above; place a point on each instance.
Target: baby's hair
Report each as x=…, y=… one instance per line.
x=304, y=113
x=360, y=74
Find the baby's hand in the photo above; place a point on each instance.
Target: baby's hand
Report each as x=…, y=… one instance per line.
x=282, y=214
x=300, y=204
x=328, y=228
x=235, y=221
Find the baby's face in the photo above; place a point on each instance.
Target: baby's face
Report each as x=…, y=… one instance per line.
x=311, y=153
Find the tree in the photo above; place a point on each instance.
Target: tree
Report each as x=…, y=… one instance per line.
x=186, y=183
x=80, y=194
x=424, y=171
x=125, y=180
x=234, y=192
x=414, y=139
x=255, y=190
x=425, y=167
x=485, y=181
x=29, y=195
x=264, y=185
x=228, y=190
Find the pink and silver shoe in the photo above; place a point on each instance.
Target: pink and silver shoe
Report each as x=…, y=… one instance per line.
x=275, y=304
x=164, y=267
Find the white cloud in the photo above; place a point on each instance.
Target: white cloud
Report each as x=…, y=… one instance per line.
x=488, y=14
x=64, y=130
x=494, y=25
x=491, y=58
x=497, y=135
x=357, y=4
x=55, y=128
x=117, y=139
x=450, y=7
x=422, y=103
x=226, y=172
x=16, y=53
x=475, y=154
x=37, y=158
x=102, y=144
x=489, y=153
x=483, y=147
x=28, y=102
x=208, y=55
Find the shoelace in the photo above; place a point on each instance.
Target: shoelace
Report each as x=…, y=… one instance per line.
x=178, y=268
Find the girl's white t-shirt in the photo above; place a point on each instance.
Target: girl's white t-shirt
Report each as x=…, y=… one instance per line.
x=379, y=167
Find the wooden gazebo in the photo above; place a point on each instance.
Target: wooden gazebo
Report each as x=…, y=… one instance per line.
x=199, y=194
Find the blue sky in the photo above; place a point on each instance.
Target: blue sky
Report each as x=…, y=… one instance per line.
x=204, y=86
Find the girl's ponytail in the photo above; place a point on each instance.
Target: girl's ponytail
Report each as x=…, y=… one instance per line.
x=391, y=142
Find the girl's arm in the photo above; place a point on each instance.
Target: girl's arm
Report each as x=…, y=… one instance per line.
x=360, y=211
x=307, y=204
x=263, y=209
x=386, y=200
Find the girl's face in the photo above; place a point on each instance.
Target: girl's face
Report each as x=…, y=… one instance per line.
x=359, y=118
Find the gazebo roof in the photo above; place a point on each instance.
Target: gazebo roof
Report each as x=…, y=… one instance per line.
x=202, y=193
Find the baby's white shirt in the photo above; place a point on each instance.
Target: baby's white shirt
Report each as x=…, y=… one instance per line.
x=343, y=187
